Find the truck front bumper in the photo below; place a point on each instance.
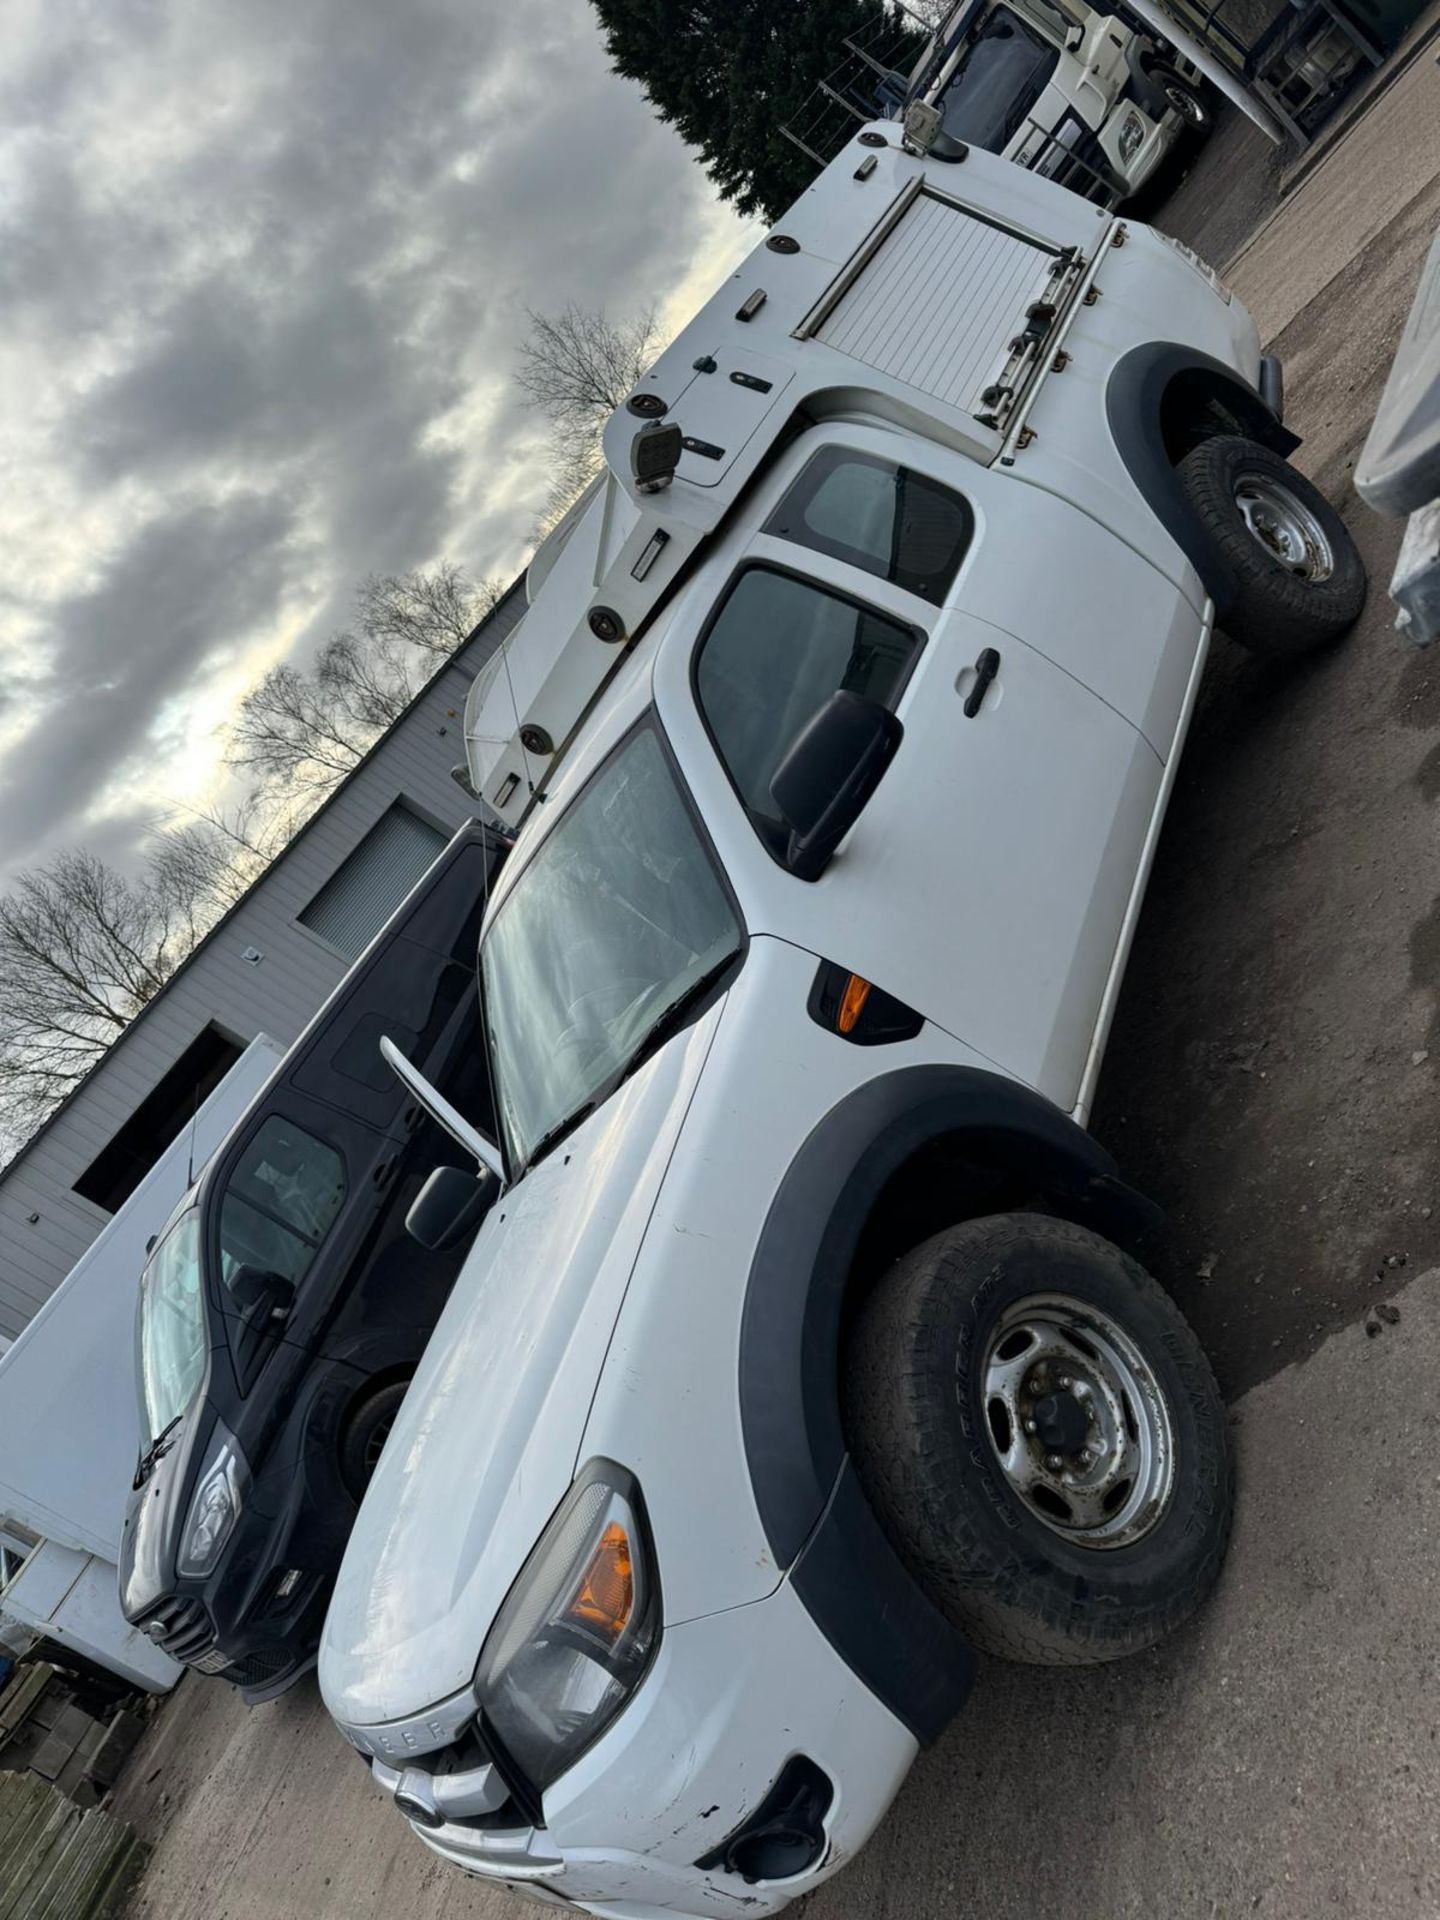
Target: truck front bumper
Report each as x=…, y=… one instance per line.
x=749, y=1750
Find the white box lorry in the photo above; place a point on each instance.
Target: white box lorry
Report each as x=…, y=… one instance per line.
x=804, y=1348
x=69, y=1416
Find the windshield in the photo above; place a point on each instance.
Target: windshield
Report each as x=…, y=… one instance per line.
x=172, y=1326
x=997, y=83
x=620, y=912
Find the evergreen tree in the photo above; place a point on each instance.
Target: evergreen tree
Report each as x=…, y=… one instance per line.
x=728, y=74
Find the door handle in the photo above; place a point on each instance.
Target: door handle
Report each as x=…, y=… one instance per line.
x=987, y=665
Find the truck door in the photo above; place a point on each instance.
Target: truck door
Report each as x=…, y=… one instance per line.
x=1042, y=568
x=987, y=882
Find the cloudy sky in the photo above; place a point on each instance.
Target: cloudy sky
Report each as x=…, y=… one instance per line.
x=263, y=266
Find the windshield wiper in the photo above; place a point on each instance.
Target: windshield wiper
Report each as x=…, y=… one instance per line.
x=676, y=1015
x=666, y=1025
x=155, y=1453
x=558, y=1132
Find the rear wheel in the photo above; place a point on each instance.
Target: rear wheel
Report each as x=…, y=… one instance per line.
x=1041, y=1436
x=1300, y=580
x=366, y=1432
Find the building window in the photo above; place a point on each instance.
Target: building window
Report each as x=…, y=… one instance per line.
x=118, y=1169
x=360, y=896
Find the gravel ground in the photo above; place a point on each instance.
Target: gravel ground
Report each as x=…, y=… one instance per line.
x=1272, y=1074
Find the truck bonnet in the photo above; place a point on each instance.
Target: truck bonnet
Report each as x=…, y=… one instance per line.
x=489, y=1436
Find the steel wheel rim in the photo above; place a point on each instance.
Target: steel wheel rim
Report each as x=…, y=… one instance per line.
x=1077, y=1421
x=1279, y=521
x=1185, y=103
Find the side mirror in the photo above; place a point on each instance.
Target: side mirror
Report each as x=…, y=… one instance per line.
x=263, y=1298
x=450, y=1206
x=262, y=1302
x=824, y=782
x=468, y=1138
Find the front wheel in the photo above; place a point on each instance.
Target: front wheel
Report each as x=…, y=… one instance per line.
x=1182, y=100
x=1161, y=90
x=1042, y=1438
x=1300, y=581
x=366, y=1431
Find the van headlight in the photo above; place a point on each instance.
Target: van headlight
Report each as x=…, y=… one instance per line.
x=215, y=1507
x=577, y=1630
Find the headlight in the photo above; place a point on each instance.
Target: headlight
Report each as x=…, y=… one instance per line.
x=577, y=1631
x=215, y=1508
x=1203, y=267
x=1132, y=135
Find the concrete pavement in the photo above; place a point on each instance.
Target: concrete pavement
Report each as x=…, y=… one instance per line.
x=1278, y=1758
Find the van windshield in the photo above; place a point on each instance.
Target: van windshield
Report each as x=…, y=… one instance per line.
x=619, y=917
x=995, y=87
x=172, y=1326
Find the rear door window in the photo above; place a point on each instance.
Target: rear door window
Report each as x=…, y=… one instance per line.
x=881, y=518
x=773, y=655
x=280, y=1200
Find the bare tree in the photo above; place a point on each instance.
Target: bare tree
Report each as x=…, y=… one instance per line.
x=577, y=367
x=82, y=949
x=301, y=730
x=433, y=612
x=216, y=855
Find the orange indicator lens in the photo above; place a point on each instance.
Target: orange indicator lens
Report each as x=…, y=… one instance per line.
x=852, y=1002
x=607, y=1591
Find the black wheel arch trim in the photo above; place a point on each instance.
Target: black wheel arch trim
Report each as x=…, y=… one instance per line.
x=816, y=1518
x=1135, y=407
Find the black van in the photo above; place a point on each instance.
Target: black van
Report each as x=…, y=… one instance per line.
x=284, y=1308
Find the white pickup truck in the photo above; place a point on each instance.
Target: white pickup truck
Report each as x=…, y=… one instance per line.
x=802, y=1349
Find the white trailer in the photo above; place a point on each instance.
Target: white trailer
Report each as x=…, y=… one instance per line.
x=69, y=1433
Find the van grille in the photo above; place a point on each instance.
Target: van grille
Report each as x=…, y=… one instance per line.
x=1073, y=157
x=182, y=1629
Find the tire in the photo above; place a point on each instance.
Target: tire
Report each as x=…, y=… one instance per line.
x=1182, y=99
x=366, y=1432
x=1283, y=605
x=926, y=1442
x=1160, y=89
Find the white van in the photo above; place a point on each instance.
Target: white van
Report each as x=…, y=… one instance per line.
x=804, y=1347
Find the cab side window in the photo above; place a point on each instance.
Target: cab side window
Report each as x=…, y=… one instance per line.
x=772, y=656
x=280, y=1201
x=881, y=518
